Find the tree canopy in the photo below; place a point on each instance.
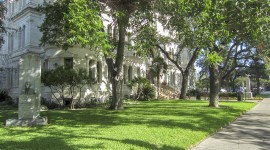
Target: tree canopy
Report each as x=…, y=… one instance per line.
x=79, y=22
x=221, y=30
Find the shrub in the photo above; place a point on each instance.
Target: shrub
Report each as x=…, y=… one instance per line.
x=49, y=103
x=191, y=92
x=66, y=80
x=4, y=96
x=144, y=90
x=148, y=92
x=228, y=94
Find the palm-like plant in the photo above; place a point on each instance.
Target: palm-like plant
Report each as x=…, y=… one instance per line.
x=158, y=67
x=144, y=89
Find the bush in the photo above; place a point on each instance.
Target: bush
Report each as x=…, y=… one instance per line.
x=66, y=80
x=148, y=92
x=228, y=94
x=144, y=90
x=4, y=96
x=198, y=94
x=49, y=103
x=191, y=92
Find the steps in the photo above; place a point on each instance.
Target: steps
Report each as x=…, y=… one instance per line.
x=168, y=92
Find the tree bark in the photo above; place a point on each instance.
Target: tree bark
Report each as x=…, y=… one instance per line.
x=158, y=86
x=184, y=72
x=115, y=68
x=183, y=94
x=116, y=103
x=214, y=86
x=258, y=84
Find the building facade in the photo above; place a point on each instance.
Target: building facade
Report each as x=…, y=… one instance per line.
x=23, y=37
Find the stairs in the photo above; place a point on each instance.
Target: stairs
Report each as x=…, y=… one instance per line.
x=168, y=92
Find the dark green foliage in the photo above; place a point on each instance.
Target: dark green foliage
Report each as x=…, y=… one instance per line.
x=158, y=67
x=4, y=96
x=191, y=92
x=148, y=92
x=228, y=94
x=196, y=93
x=79, y=22
x=49, y=103
x=65, y=24
x=144, y=89
x=240, y=96
x=65, y=82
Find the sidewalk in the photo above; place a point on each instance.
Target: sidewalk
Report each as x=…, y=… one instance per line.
x=249, y=132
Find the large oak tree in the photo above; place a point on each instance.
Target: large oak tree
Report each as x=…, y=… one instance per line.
x=237, y=23
x=72, y=22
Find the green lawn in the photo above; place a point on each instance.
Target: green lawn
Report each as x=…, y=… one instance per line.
x=170, y=125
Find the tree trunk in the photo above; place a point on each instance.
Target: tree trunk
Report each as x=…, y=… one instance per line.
x=214, y=86
x=158, y=86
x=116, y=103
x=184, y=88
x=116, y=68
x=258, y=84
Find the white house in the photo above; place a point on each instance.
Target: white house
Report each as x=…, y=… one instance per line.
x=23, y=37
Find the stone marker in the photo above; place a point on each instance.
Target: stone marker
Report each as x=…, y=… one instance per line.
x=248, y=92
x=29, y=99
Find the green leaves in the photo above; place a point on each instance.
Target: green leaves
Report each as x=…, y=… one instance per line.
x=61, y=78
x=85, y=23
x=74, y=22
x=159, y=66
x=214, y=59
x=145, y=40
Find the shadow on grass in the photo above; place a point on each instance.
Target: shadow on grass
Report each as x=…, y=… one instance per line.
x=169, y=114
x=56, y=143
x=165, y=115
x=142, y=144
x=37, y=143
x=65, y=124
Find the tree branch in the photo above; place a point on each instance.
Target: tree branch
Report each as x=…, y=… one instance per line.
x=171, y=59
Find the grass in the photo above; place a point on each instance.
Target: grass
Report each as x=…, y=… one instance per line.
x=168, y=125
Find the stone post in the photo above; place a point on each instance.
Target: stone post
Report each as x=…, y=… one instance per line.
x=248, y=91
x=30, y=93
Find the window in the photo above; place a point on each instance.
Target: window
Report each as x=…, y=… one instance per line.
x=20, y=38
x=45, y=64
x=16, y=77
x=109, y=31
x=23, y=37
x=174, y=78
x=12, y=7
x=68, y=63
x=92, y=70
x=10, y=76
x=125, y=73
x=99, y=71
x=138, y=71
x=130, y=73
x=109, y=73
x=10, y=42
x=23, y=2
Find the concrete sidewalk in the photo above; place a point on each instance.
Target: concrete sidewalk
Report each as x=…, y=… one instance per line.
x=249, y=132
